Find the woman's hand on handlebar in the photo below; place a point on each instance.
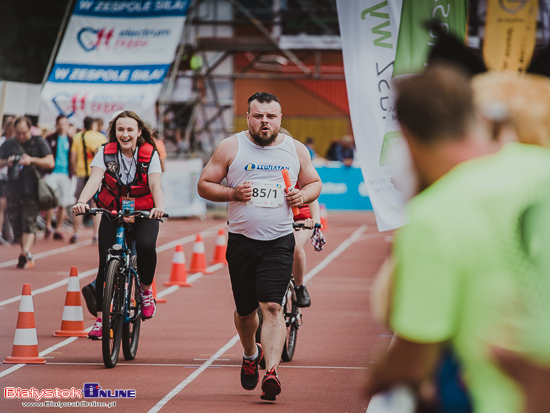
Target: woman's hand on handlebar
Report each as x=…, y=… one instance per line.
x=309, y=223
x=80, y=208
x=156, y=213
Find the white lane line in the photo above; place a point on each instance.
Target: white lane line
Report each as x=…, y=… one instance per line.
x=69, y=248
x=194, y=375
x=341, y=248
x=49, y=287
x=69, y=340
x=11, y=369
x=93, y=271
x=282, y=366
x=48, y=253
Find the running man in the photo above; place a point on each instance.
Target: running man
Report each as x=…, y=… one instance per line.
x=261, y=241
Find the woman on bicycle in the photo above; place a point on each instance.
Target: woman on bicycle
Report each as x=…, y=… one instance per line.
x=126, y=171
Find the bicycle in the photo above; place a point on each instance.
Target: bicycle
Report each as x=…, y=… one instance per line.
x=122, y=291
x=292, y=314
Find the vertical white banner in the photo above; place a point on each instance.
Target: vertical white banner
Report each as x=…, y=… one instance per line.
x=114, y=56
x=369, y=31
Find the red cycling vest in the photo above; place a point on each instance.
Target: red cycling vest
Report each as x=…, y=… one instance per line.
x=112, y=188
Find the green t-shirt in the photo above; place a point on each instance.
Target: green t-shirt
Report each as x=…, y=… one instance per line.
x=462, y=272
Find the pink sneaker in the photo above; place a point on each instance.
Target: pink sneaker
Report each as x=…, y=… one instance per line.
x=48, y=232
x=95, y=332
x=148, y=306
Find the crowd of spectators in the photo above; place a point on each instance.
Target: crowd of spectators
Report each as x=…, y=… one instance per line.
x=70, y=150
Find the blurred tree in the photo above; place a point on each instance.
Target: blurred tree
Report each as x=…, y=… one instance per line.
x=28, y=29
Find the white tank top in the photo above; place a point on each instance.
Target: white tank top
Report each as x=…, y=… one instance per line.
x=267, y=216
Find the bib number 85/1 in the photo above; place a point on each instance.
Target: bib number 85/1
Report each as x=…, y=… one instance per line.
x=266, y=194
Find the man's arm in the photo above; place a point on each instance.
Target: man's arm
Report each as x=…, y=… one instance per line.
x=308, y=178
x=405, y=362
x=45, y=163
x=209, y=185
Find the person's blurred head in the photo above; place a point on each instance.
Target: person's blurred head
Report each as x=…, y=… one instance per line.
x=62, y=125
x=439, y=121
x=90, y=123
x=436, y=105
x=347, y=141
x=22, y=127
x=72, y=129
x=264, y=118
x=100, y=124
x=9, y=129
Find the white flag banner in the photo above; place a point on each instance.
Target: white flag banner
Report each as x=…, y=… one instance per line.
x=114, y=56
x=369, y=31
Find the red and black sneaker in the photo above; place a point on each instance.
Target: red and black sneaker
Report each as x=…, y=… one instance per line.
x=250, y=375
x=271, y=386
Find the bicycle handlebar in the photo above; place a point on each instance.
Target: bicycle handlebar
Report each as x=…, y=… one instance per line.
x=300, y=225
x=139, y=214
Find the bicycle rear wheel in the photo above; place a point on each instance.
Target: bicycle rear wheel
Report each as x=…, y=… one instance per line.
x=131, y=329
x=112, y=308
x=292, y=320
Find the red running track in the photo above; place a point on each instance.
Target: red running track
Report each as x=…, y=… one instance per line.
x=189, y=356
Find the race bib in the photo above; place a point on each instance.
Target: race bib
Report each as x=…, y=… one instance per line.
x=128, y=206
x=266, y=194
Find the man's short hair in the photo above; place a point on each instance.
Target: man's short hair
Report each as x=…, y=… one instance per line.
x=263, y=97
x=88, y=122
x=20, y=119
x=437, y=104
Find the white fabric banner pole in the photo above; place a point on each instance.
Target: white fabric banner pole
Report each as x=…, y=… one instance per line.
x=369, y=31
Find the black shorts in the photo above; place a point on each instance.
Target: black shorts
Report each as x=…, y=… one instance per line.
x=260, y=270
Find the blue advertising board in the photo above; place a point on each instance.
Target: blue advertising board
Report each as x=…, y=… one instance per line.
x=343, y=187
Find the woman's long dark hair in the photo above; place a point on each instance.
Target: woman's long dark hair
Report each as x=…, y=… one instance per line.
x=146, y=133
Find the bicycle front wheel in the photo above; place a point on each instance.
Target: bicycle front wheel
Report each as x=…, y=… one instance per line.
x=131, y=327
x=112, y=308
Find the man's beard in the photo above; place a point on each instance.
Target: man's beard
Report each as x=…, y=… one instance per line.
x=258, y=140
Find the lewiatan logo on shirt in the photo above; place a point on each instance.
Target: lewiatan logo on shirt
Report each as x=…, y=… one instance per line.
x=252, y=167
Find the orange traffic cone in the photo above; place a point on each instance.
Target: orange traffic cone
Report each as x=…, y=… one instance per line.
x=198, y=260
x=25, y=342
x=221, y=248
x=72, y=322
x=324, y=217
x=178, y=275
x=154, y=288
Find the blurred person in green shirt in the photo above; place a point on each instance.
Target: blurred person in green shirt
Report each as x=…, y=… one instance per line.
x=462, y=277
